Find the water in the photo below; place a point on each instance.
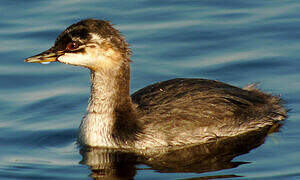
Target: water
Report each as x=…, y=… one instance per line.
x=233, y=41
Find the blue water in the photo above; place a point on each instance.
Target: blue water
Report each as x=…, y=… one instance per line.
x=234, y=41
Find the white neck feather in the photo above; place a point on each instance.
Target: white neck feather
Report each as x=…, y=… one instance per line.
x=96, y=128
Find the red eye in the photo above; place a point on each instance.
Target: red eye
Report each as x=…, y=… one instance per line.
x=72, y=46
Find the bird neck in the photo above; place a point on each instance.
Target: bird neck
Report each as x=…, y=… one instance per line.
x=111, y=117
x=110, y=91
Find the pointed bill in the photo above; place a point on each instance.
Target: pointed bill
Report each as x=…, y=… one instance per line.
x=44, y=57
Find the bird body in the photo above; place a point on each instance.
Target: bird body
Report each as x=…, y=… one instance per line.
x=173, y=113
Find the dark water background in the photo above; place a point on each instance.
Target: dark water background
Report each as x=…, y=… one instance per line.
x=228, y=40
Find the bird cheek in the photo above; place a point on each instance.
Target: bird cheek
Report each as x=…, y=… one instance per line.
x=62, y=59
x=74, y=59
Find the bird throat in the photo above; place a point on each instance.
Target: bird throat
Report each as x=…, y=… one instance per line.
x=110, y=109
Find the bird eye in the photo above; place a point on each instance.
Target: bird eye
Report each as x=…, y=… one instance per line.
x=72, y=46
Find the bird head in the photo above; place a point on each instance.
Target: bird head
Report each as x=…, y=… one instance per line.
x=89, y=43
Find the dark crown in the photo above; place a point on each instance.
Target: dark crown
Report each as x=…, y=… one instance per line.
x=83, y=29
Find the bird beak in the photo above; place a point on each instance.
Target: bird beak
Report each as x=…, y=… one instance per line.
x=45, y=57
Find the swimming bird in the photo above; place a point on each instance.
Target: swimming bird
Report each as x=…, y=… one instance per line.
x=173, y=113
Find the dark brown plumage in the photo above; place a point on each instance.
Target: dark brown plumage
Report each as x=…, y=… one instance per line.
x=189, y=106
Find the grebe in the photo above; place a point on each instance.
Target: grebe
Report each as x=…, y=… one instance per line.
x=173, y=113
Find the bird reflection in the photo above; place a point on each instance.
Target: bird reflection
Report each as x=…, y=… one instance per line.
x=217, y=155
